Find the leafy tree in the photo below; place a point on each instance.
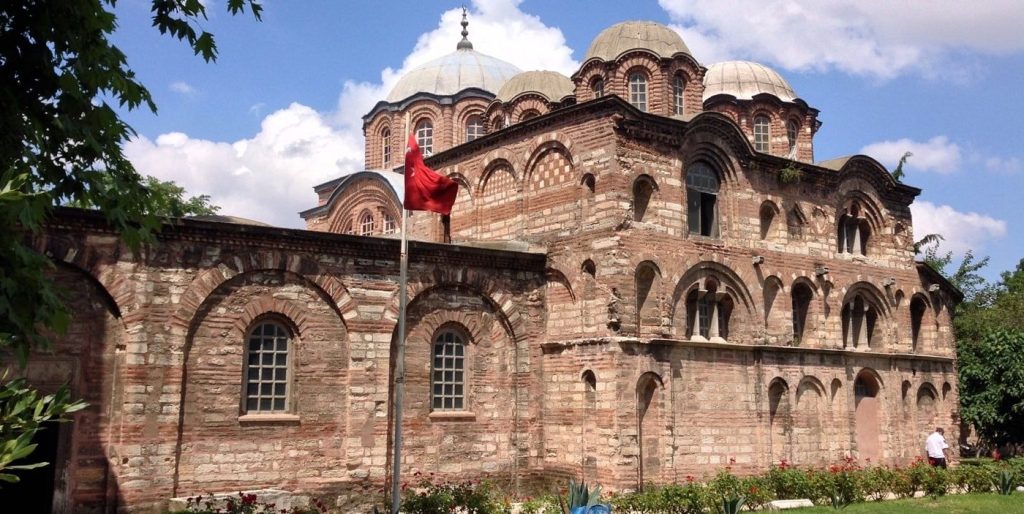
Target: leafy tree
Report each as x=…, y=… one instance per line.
x=22, y=413
x=168, y=200
x=991, y=371
x=61, y=143
x=964, y=277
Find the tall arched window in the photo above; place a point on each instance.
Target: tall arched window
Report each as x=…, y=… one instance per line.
x=597, y=86
x=917, y=310
x=366, y=223
x=853, y=232
x=448, y=380
x=708, y=312
x=425, y=136
x=702, y=199
x=638, y=90
x=266, y=369
x=643, y=188
x=389, y=224
x=792, y=129
x=474, y=127
x=762, y=133
x=859, y=319
x=678, y=86
x=801, y=304
x=385, y=147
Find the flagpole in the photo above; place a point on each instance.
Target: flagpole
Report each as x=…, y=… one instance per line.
x=403, y=277
x=403, y=274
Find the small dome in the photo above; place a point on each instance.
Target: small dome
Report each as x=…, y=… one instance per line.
x=631, y=35
x=745, y=80
x=550, y=84
x=465, y=68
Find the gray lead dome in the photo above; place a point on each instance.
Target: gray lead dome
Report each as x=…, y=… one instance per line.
x=463, y=69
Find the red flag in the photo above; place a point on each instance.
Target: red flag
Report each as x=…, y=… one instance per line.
x=426, y=189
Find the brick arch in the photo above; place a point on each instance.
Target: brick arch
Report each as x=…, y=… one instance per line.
x=501, y=304
x=861, y=193
x=745, y=310
x=499, y=159
x=720, y=137
x=209, y=280
x=528, y=102
x=369, y=190
x=289, y=311
x=551, y=141
x=87, y=260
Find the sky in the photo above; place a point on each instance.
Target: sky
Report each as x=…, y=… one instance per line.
x=281, y=109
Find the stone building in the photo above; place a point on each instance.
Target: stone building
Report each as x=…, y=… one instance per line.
x=646, y=275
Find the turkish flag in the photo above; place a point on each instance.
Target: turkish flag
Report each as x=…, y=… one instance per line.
x=426, y=189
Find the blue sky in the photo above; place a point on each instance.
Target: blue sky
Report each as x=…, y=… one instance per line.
x=280, y=109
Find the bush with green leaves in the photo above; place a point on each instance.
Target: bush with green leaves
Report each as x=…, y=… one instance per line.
x=23, y=412
x=971, y=479
x=469, y=497
x=243, y=503
x=787, y=481
x=543, y=504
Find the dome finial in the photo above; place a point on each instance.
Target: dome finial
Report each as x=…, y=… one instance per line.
x=464, y=44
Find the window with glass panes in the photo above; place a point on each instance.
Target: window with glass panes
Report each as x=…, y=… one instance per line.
x=389, y=224
x=702, y=199
x=638, y=91
x=266, y=371
x=448, y=381
x=678, y=86
x=762, y=133
x=425, y=136
x=385, y=138
x=366, y=224
x=791, y=132
x=474, y=128
x=598, y=87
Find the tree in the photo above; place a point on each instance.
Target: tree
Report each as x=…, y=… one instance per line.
x=61, y=143
x=168, y=200
x=897, y=174
x=991, y=373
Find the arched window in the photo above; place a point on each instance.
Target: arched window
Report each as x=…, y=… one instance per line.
x=638, y=90
x=597, y=86
x=366, y=223
x=425, y=136
x=474, y=127
x=801, y=304
x=917, y=310
x=448, y=380
x=702, y=200
x=767, y=216
x=678, y=86
x=708, y=312
x=853, y=232
x=643, y=188
x=795, y=222
x=385, y=148
x=389, y=224
x=791, y=132
x=528, y=114
x=762, y=133
x=859, y=319
x=266, y=369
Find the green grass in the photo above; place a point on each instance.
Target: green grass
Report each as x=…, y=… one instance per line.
x=955, y=504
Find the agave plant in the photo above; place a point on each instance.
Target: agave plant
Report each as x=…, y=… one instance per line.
x=580, y=499
x=1004, y=482
x=732, y=505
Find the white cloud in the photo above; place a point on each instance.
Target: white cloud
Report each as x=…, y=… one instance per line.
x=1005, y=165
x=269, y=177
x=877, y=38
x=961, y=231
x=937, y=155
x=183, y=88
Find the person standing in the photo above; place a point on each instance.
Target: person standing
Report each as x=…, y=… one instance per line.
x=937, y=448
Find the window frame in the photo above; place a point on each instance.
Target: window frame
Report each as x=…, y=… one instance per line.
x=637, y=87
x=425, y=136
x=460, y=337
x=390, y=225
x=762, y=130
x=475, y=127
x=678, y=95
x=792, y=133
x=702, y=210
x=597, y=87
x=385, y=136
x=289, y=371
x=363, y=216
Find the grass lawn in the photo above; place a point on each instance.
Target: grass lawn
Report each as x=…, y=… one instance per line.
x=956, y=504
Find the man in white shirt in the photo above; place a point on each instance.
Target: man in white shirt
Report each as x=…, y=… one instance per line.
x=936, y=447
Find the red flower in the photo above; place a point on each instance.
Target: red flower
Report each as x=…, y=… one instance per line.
x=753, y=489
x=689, y=478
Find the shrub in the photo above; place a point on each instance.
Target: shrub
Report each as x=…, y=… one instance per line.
x=878, y=482
x=972, y=478
x=544, y=504
x=787, y=482
x=470, y=497
x=243, y=504
x=756, y=492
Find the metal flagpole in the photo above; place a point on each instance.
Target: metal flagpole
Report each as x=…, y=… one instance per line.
x=403, y=274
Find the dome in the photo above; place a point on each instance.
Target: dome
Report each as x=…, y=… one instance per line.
x=631, y=35
x=745, y=80
x=462, y=69
x=550, y=84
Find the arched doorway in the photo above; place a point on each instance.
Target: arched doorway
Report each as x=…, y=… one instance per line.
x=649, y=427
x=866, y=416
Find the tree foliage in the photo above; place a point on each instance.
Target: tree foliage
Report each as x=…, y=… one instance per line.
x=61, y=143
x=22, y=414
x=991, y=372
x=168, y=199
x=898, y=173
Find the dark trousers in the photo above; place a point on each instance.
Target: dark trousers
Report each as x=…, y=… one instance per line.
x=939, y=463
